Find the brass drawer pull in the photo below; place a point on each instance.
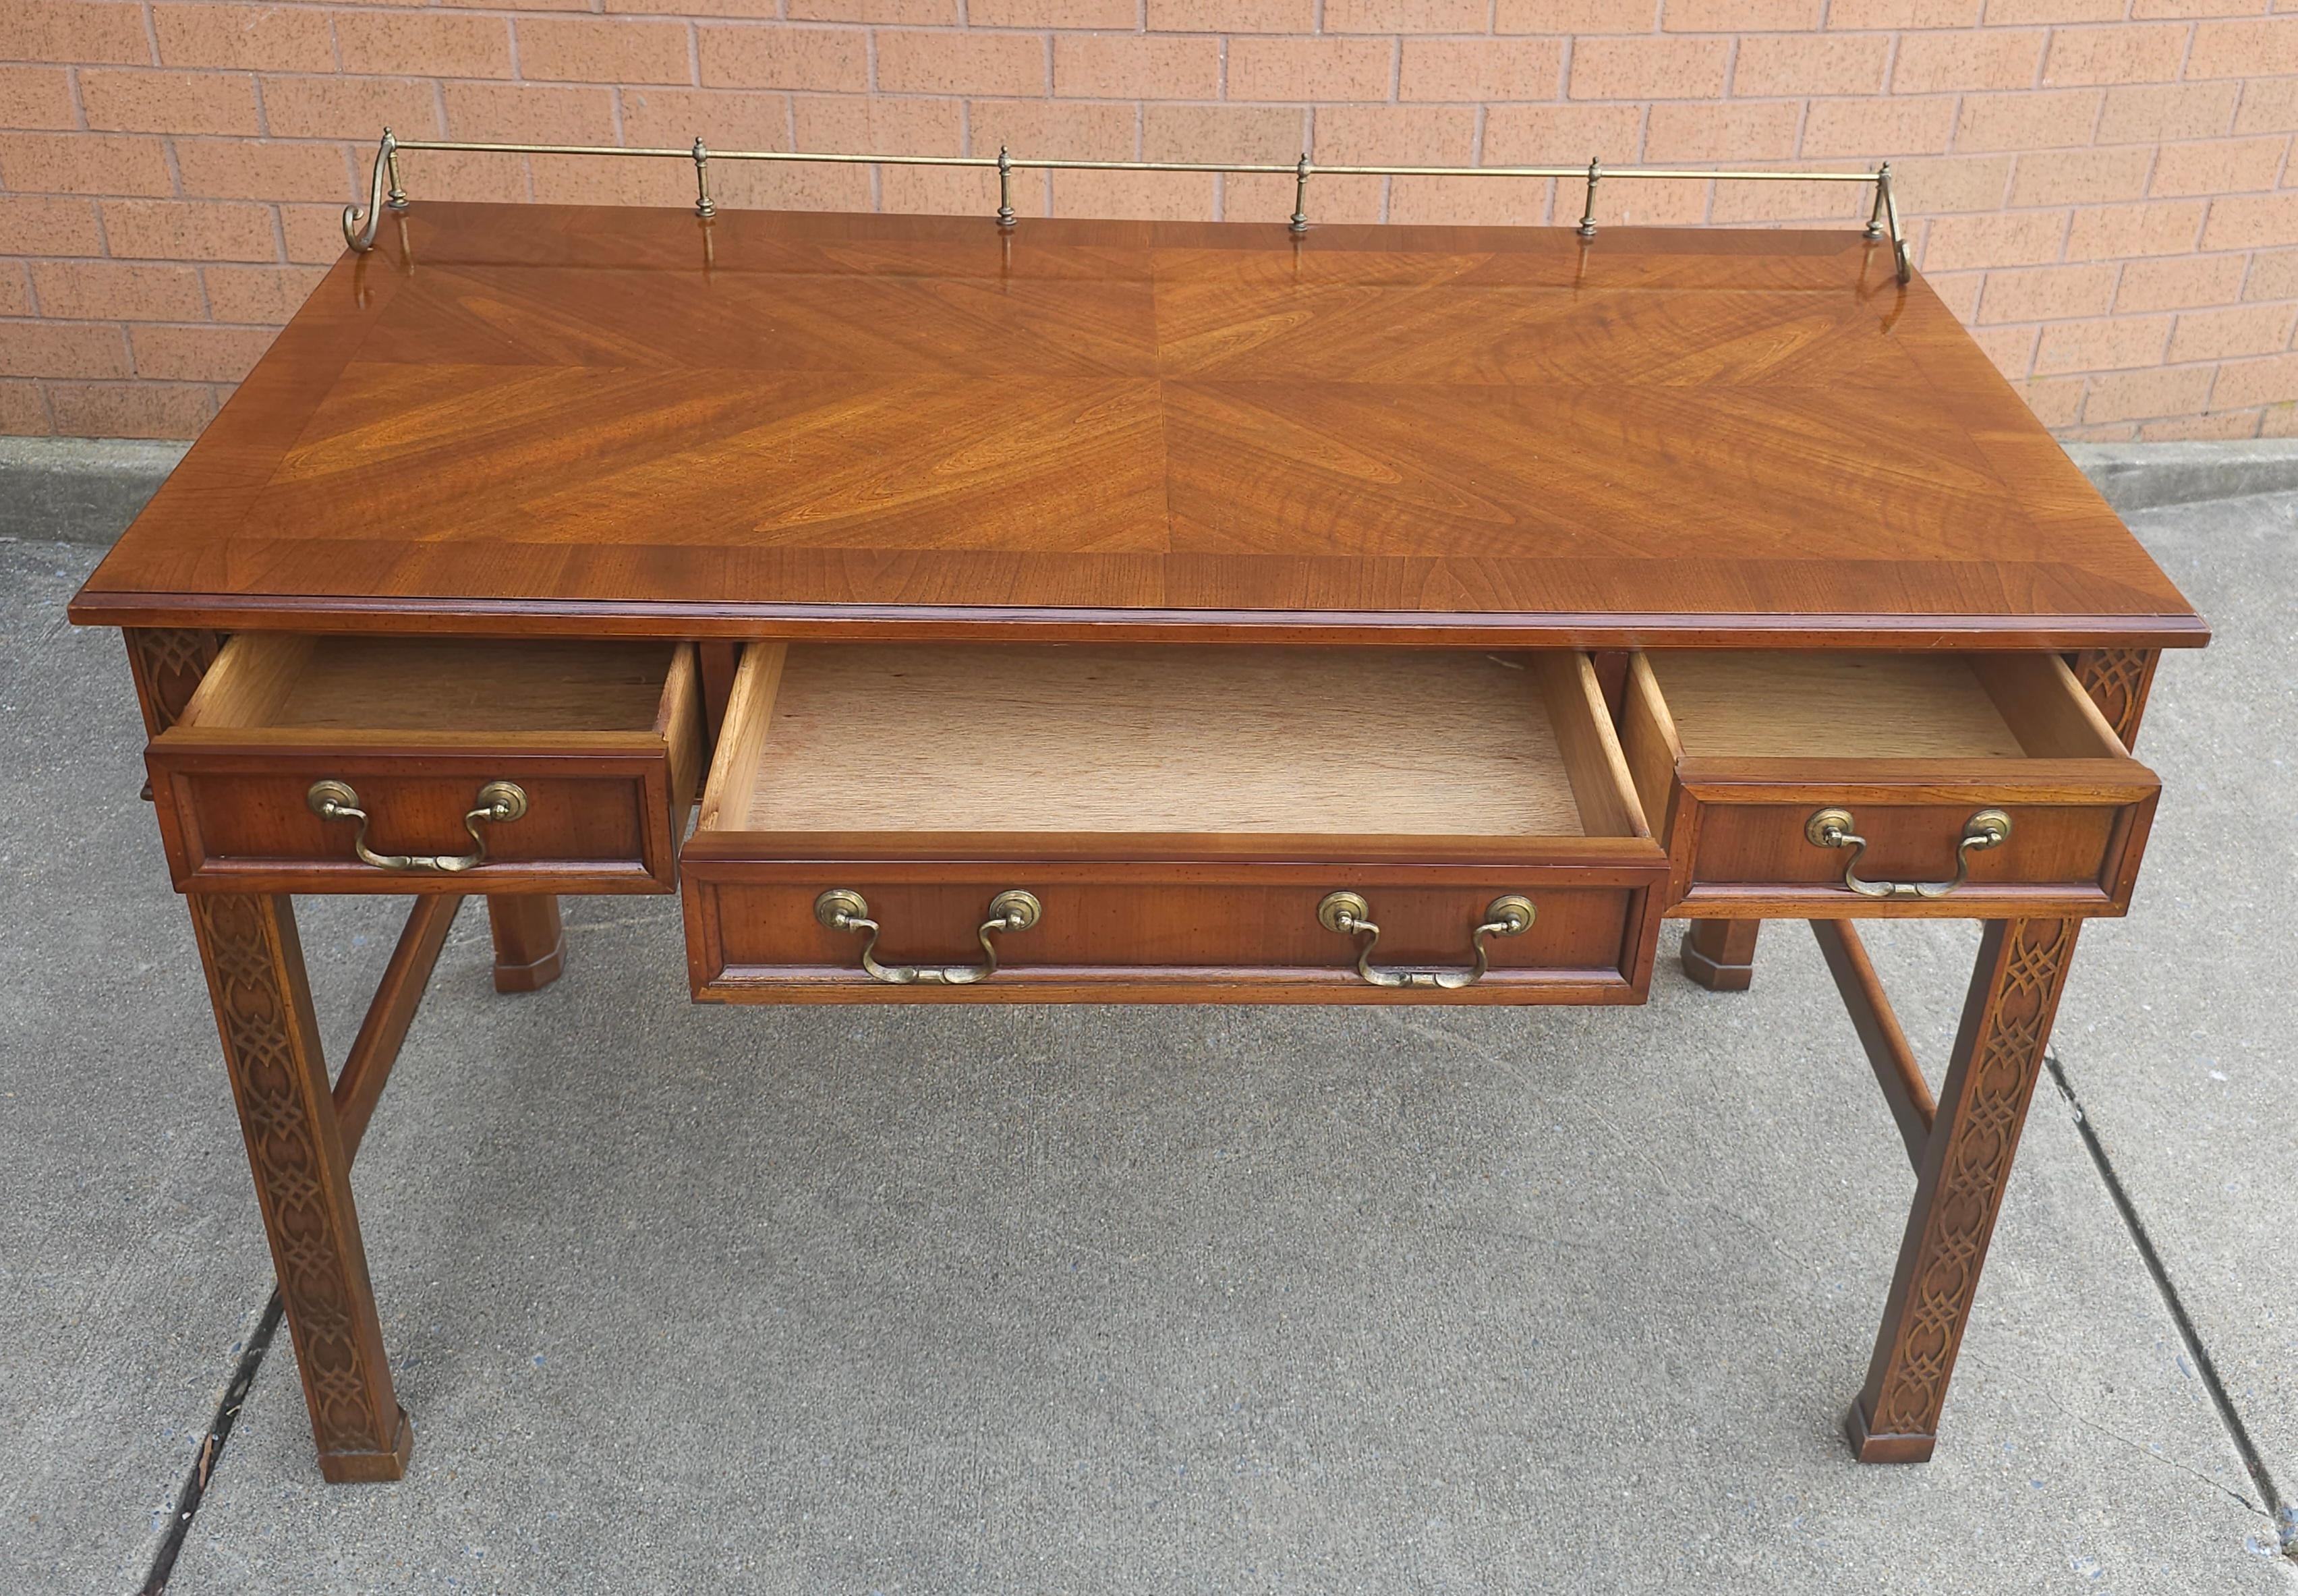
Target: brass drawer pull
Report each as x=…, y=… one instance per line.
x=500, y=802
x=1349, y=914
x=1831, y=828
x=842, y=909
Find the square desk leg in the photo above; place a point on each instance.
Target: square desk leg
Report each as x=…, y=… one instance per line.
x=1720, y=954
x=530, y=943
x=1998, y=1056
x=302, y=1180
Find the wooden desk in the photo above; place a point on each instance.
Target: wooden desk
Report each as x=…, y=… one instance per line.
x=1135, y=612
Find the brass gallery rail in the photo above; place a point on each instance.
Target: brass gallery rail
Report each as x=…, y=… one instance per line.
x=385, y=190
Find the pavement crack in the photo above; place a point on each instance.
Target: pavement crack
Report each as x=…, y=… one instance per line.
x=2279, y=1509
x=203, y=1466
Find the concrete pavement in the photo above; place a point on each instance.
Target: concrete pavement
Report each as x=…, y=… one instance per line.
x=1108, y=1298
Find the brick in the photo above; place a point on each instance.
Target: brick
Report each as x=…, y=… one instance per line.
x=423, y=43
x=2273, y=380
x=2104, y=344
x=1826, y=205
x=2006, y=13
x=821, y=59
x=2023, y=238
x=1815, y=64
x=1654, y=69
x=2081, y=177
x=1254, y=133
x=1893, y=126
x=2226, y=335
x=189, y=230
x=2144, y=113
x=1937, y=187
x=2048, y=294
x=2265, y=48
x=1482, y=70
x=857, y=126
x=260, y=295
x=1403, y=135
x=1087, y=131
x=63, y=348
x=1659, y=204
x=571, y=180
x=15, y=289
x=2032, y=120
x=1572, y=17
x=2219, y=425
x=529, y=113
x=1232, y=16
x=2011, y=348
x=2125, y=433
x=24, y=410
x=1739, y=16
x=198, y=354
x=1902, y=14
x=1055, y=13
x=1310, y=69
x=1132, y=66
x=355, y=108
x=732, y=121
x=131, y=409
x=2181, y=282
x=1152, y=196
x=2130, y=53
x=1988, y=58
x=1743, y=130
x=2057, y=401
x=73, y=31
x=315, y=233
x=2273, y=275
x=2251, y=221
x=111, y=291
x=2269, y=106
x=1958, y=291
x=1554, y=135
x=84, y=164
x=1381, y=16
x=910, y=12
x=2220, y=166
x=967, y=63
x=38, y=98
x=2129, y=395
x=1259, y=196
x=41, y=225
x=269, y=39
x=142, y=102
x=236, y=169
x=762, y=10
x=2106, y=232
x=1469, y=201
x=567, y=50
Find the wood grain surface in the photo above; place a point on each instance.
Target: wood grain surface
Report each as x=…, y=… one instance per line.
x=592, y=421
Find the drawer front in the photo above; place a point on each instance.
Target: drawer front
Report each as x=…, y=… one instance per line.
x=1169, y=933
x=243, y=821
x=1774, y=854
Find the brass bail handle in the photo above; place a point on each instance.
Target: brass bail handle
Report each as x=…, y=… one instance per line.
x=500, y=802
x=843, y=909
x=1351, y=915
x=1831, y=828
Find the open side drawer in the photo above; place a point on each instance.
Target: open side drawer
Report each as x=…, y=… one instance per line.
x=1827, y=785
x=1180, y=819
x=344, y=764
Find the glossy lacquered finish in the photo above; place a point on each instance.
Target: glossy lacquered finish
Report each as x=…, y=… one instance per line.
x=534, y=418
x=602, y=741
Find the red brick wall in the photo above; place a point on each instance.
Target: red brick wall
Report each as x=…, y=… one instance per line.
x=2095, y=185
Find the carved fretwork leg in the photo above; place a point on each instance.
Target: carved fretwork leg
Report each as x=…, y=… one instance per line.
x=530, y=944
x=168, y=663
x=1720, y=954
x=1998, y=1055
x=302, y=1180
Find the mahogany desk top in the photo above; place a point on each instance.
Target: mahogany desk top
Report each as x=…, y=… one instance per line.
x=536, y=419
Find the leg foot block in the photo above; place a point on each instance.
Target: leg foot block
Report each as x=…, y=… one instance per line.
x=370, y=1467
x=1720, y=954
x=1871, y=1448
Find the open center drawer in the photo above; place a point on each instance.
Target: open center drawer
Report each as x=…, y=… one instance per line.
x=345, y=764
x=1042, y=824
x=1831, y=785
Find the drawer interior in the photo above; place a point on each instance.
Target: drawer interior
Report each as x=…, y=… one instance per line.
x=433, y=685
x=1168, y=740
x=1761, y=705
